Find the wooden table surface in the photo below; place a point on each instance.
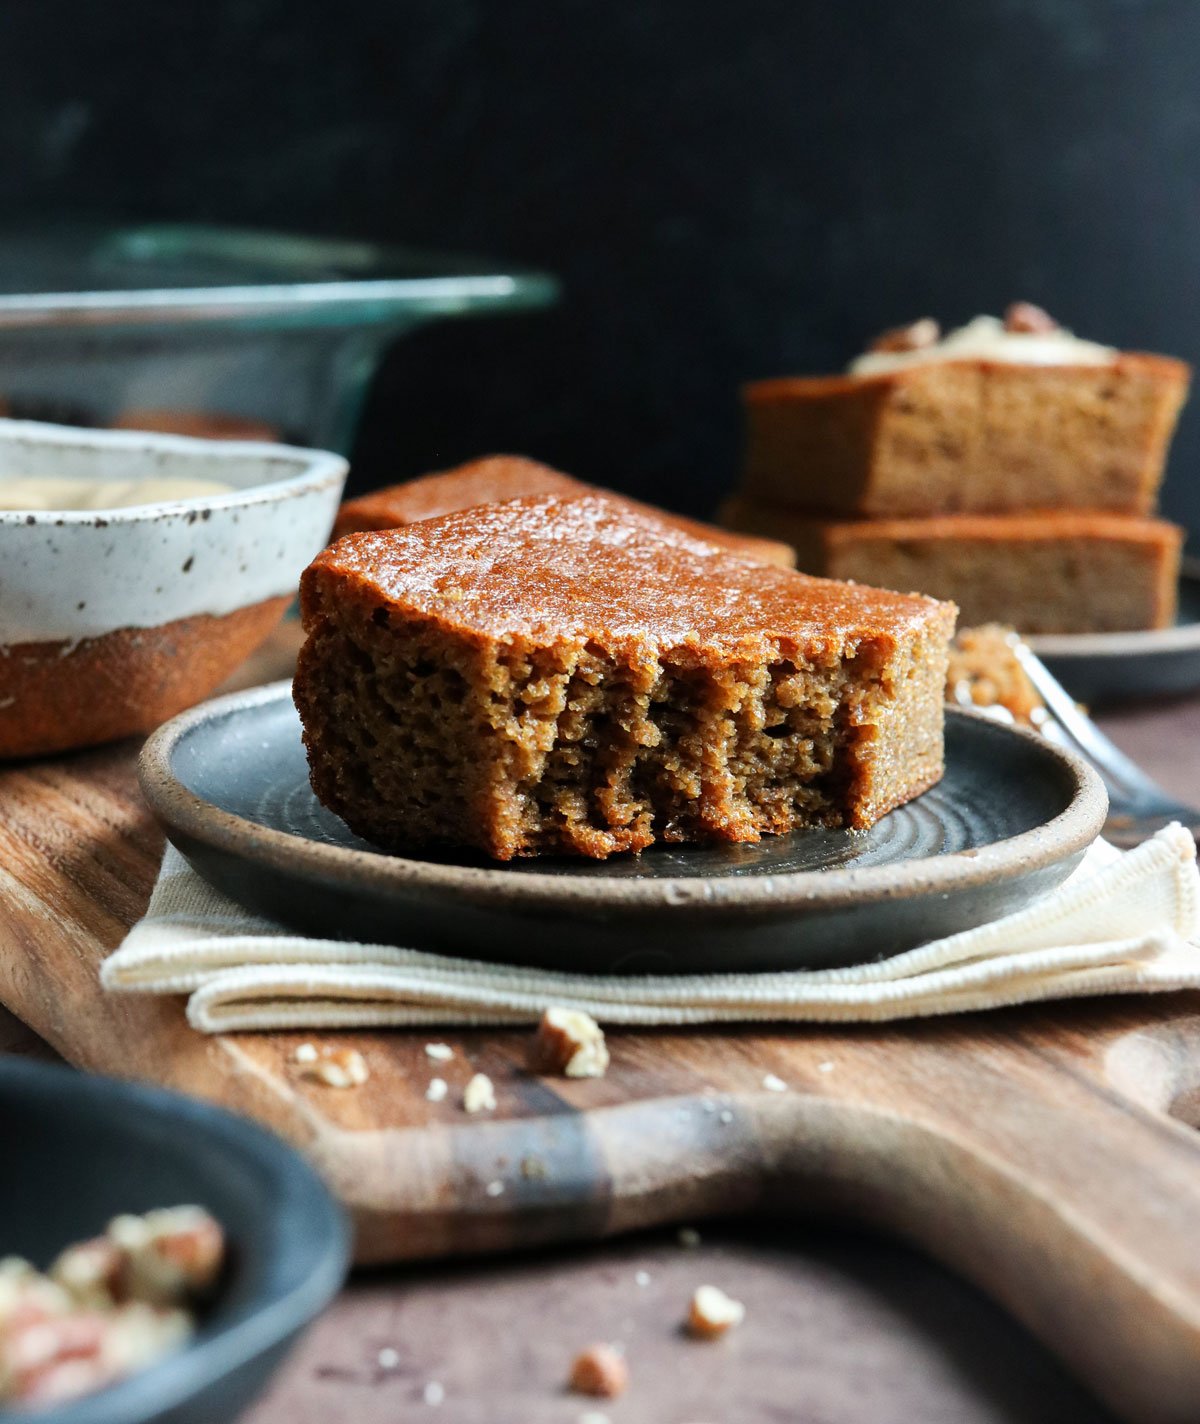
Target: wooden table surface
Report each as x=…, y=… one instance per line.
x=841, y=1328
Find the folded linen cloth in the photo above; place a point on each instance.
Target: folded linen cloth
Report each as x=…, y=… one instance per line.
x=1123, y=923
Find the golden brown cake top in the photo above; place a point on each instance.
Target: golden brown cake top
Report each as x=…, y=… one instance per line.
x=552, y=569
x=500, y=477
x=486, y=481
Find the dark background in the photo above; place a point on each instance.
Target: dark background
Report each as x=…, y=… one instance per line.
x=726, y=190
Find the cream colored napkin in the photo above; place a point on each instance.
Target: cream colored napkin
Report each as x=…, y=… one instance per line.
x=1123, y=923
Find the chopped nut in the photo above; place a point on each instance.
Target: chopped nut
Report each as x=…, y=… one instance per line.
x=774, y=1084
x=110, y=1307
x=914, y=337
x=479, y=1094
x=167, y=1254
x=570, y=1043
x=1026, y=318
x=712, y=1312
x=533, y=1169
x=335, y=1067
x=92, y=1273
x=601, y=1371
x=437, y=1090
x=439, y=1052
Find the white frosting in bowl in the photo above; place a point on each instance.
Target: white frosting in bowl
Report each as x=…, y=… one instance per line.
x=985, y=338
x=67, y=492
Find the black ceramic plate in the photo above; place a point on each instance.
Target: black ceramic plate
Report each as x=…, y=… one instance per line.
x=92, y=1148
x=1107, y=667
x=1010, y=820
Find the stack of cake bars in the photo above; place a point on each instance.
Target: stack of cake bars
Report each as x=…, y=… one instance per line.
x=1026, y=494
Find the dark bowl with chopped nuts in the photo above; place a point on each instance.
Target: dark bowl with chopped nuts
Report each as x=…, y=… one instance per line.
x=88, y=1151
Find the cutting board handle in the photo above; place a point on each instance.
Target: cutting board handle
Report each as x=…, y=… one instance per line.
x=1017, y=1163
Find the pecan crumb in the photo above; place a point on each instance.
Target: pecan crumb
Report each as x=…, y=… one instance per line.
x=479, y=1094
x=570, y=1043
x=601, y=1371
x=914, y=337
x=1028, y=319
x=335, y=1067
x=711, y=1313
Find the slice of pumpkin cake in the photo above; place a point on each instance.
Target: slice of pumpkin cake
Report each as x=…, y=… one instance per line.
x=549, y=676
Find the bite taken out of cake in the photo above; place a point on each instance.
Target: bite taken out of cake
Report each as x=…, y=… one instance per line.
x=573, y=676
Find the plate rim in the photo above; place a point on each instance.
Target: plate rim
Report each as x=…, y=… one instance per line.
x=182, y=812
x=1144, y=642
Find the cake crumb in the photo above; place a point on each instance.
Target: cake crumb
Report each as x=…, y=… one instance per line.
x=495, y=1189
x=726, y=1116
x=642, y=1278
x=306, y=1053
x=571, y=1043
x=437, y=1090
x=600, y=1370
x=688, y=1236
x=774, y=1084
x=479, y=1094
x=825, y=1067
x=439, y=1052
x=434, y=1393
x=712, y=1313
x=335, y=1067
x=388, y=1358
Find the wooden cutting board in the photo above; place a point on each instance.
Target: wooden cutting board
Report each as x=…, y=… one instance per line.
x=1044, y=1153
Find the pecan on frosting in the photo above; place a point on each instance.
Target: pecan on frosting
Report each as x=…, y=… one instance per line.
x=1028, y=320
x=914, y=337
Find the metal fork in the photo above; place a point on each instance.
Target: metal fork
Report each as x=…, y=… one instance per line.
x=1138, y=805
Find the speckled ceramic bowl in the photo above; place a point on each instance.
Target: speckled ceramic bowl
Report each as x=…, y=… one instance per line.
x=111, y=621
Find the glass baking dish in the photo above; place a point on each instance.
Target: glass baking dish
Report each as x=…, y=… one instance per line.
x=219, y=331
